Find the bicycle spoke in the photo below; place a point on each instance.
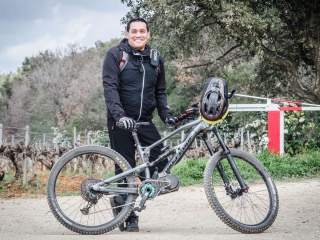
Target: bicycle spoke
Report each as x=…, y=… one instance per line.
x=104, y=200
x=72, y=205
x=102, y=213
x=74, y=196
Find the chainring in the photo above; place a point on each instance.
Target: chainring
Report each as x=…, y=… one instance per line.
x=151, y=187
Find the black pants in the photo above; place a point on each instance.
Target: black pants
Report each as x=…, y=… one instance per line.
x=122, y=141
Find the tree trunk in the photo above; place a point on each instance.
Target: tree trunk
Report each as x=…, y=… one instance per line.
x=315, y=54
x=295, y=83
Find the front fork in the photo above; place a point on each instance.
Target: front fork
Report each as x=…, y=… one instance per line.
x=244, y=187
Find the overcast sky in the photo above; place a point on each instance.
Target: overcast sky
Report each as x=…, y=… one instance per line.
x=29, y=26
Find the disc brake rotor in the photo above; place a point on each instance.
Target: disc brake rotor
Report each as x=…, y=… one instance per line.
x=86, y=193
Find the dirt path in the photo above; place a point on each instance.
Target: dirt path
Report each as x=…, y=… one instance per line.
x=182, y=215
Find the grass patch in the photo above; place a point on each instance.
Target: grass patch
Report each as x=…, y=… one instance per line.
x=7, y=178
x=190, y=171
x=287, y=167
x=282, y=167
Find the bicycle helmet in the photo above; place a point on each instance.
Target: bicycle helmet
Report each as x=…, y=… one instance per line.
x=214, y=104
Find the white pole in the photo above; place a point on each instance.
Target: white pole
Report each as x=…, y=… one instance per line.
x=242, y=140
x=88, y=139
x=57, y=151
x=249, y=143
x=195, y=140
x=1, y=134
x=281, y=132
x=74, y=137
x=165, y=134
x=182, y=136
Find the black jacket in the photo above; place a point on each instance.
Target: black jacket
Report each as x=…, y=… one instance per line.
x=137, y=90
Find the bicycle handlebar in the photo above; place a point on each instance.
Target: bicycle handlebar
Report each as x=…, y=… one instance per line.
x=121, y=125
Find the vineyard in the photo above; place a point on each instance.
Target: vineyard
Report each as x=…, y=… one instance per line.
x=26, y=163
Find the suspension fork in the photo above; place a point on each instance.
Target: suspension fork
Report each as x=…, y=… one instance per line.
x=233, y=166
x=219, y=166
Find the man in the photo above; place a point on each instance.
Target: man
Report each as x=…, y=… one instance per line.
x=134, y=85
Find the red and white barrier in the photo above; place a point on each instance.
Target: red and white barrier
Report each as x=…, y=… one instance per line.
x=275, y=118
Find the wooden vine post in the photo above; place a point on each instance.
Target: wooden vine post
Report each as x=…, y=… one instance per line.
x=25, y=170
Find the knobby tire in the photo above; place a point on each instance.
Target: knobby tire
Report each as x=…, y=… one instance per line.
x=53, y=187
x=252, y=212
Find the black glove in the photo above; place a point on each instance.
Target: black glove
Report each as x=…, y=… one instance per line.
x=171, y=121
x=128, y=123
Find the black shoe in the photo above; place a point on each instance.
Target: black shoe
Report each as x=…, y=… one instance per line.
x=116, y=211
x=132, y=224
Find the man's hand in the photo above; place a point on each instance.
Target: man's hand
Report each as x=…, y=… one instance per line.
x=171, y=121
x=128, y=123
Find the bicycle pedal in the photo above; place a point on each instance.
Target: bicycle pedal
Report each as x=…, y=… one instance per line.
x=139, y=209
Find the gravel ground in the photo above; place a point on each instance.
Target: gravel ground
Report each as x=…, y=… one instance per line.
x=185, y=214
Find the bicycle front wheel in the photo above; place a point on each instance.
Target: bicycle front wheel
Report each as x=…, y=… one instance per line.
x=72, y=201
x=253, y=211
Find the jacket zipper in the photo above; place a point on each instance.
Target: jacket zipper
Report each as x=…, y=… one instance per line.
x=142, y=89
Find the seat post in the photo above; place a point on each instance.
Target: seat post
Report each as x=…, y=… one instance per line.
x=144, y=155
x=135, y=138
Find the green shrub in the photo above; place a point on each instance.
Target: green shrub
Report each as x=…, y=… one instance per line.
x=281, y=167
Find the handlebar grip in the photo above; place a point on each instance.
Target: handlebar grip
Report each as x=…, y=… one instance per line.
x=119, y=124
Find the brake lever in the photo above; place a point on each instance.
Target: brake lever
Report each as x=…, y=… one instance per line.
x=233, y=92
x=195, y=105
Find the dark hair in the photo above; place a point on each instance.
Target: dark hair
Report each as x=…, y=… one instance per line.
x=138, y=19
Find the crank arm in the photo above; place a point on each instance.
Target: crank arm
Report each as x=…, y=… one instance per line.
x=143, y=201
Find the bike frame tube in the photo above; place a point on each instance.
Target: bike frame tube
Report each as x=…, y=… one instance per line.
x=198, y=125
x=144, y=152
x=120, y=176
x=184, y=127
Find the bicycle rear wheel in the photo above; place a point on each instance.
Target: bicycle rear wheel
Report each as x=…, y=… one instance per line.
x=70, y=198
x=250, y=212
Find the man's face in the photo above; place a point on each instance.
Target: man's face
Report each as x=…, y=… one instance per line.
x=138, y=35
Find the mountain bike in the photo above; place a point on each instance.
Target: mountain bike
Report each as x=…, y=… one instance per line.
x=238, y=187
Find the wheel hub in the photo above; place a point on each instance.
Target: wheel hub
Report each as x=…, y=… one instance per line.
x=87, y=194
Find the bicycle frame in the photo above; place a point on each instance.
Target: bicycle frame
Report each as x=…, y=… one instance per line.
x=197, y=126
